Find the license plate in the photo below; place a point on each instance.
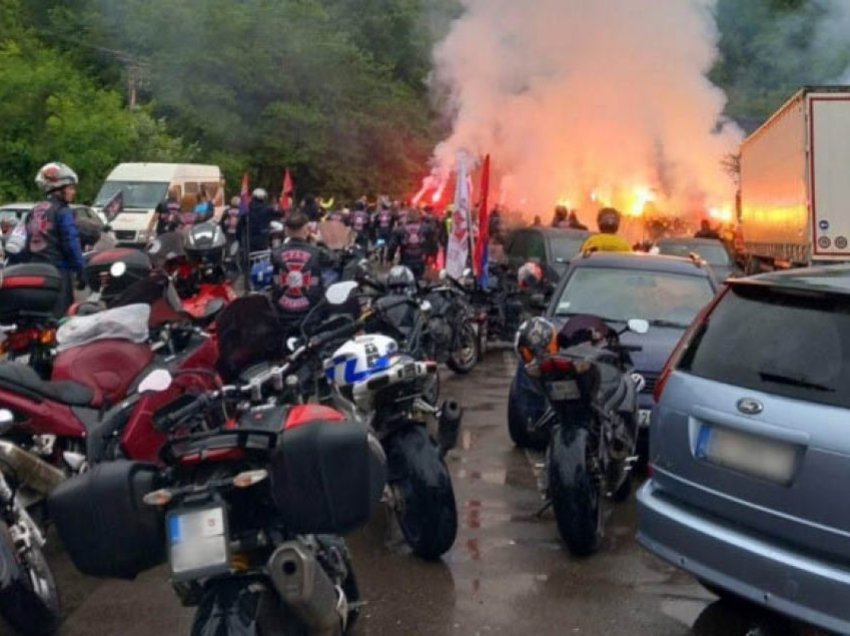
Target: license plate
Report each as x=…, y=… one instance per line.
x=750, y=454
x=644, y=417
x=563, y=390
x=197, y=541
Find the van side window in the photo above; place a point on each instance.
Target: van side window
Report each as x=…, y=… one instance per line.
x=191, y=187
x=177, y=191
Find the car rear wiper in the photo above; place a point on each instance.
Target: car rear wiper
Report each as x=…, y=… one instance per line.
x=801, y=382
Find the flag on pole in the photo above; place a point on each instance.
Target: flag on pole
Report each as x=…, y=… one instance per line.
x=245, y=195
x=457, y=252
x=483, y=243
x=287, y=191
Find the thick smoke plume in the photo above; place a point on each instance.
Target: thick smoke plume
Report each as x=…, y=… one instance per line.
x=590, y=102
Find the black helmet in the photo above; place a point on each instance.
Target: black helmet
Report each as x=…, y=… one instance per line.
x=608, y=220
x=535, y=339
x=401, y=279
x=205, y=243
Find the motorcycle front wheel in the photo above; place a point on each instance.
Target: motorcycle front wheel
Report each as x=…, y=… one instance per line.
x=424, y=496
x=576, y=498
x=30, y=600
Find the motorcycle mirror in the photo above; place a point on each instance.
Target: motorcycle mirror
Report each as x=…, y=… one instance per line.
x=7, y=420
x=339, y=293
x=118, y=269
x=639, y=326
x=156, y=381
x=444, y=275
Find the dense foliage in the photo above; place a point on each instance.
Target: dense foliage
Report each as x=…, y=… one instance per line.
x=337, y=90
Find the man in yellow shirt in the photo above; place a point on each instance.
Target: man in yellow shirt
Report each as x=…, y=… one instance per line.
x=607, y=240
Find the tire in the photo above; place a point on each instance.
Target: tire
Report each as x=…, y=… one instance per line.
x=576, y=500
x=425, y=506
x=518, y=427
x=27, y=610
x=464, y=358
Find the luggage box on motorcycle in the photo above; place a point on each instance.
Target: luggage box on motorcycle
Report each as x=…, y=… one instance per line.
x=97, y=270
x=327, y=476
x=106, y=528
x=32, y=287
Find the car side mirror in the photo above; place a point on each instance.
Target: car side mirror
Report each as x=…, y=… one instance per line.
x=638, y=326
x=156, y=381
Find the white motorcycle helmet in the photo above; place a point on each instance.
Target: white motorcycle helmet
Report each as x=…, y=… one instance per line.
x=357, y=360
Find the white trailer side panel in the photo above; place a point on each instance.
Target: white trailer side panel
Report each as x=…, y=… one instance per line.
x=829, y=121
x=774, y=193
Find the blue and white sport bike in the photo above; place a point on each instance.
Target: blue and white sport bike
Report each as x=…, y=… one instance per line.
x=371, y=381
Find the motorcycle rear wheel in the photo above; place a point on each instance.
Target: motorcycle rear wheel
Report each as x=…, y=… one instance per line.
x=577, y=501
x=425, y=500
x=463, y=359
x=30, y=603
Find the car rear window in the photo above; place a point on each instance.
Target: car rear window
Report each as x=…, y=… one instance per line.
x=793, y=344
x=714, y=254
x=565, y=248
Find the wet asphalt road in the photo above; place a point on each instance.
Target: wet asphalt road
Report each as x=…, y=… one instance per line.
x=507, y=573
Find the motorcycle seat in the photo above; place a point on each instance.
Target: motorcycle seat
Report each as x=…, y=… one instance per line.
x=24, y=380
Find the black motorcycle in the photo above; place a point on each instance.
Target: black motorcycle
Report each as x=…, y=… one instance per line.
x=592, y=393
x=453, y=327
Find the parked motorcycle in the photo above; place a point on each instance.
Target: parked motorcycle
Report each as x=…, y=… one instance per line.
x=588, y=378
x=452, y=325
x=376, y=384
x=246, y=509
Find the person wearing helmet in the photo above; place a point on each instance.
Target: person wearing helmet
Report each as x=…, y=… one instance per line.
x=607, y=240
x=536, y=339
x=52, y=235
x=255, y=224
x=410, y=240
x=297, y=274
x=530, y=277
x=401, y=281
x=166, y=217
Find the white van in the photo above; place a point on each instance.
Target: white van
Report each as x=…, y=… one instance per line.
x=146, y=184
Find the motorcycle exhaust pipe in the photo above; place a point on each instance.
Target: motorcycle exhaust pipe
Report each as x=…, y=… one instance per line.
x=306, y=589
x=448, y=426
x=30, y=469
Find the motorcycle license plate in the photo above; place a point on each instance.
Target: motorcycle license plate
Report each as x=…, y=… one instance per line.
x=563, y=390
x=749, y=454
x=198, y=542
x=644, y=417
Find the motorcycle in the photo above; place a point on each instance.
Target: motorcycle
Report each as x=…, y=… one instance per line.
x=245, y=508
x=373, y=383
x=592, y=394
x=452, y=325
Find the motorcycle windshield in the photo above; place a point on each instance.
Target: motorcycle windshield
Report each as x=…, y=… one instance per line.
x=166, y=247
x=146, y=291
x=248, y=334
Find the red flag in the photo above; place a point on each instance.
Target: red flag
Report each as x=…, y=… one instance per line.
x=287, y=191
x=480, y=261
x=245, y=195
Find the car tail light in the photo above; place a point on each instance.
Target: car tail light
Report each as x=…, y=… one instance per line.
x=685, y=342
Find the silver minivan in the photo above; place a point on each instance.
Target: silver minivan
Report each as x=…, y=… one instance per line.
x=750, y=447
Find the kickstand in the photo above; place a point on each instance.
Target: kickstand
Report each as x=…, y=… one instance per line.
x=543, y=509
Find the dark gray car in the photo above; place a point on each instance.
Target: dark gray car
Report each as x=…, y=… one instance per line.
x=750, y=448
x=712, y=251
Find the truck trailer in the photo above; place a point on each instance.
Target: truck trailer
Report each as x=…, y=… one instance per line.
x=795, y=183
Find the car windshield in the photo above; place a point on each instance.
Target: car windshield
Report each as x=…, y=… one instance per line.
x=565, y=248
x=618, y=295
x=144, y=195
x=712, y=253
x=796, y=345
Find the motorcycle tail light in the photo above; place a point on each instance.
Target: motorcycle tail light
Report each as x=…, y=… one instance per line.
x=47, y=337
x=158, y=498
x=560, y=366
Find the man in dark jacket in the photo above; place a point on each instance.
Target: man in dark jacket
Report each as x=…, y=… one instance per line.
x=52, y=235
x=410, y=240
x=359, y=223
x=166, y=217
x=297, y=274
x=255, y=224
x=383, y=225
